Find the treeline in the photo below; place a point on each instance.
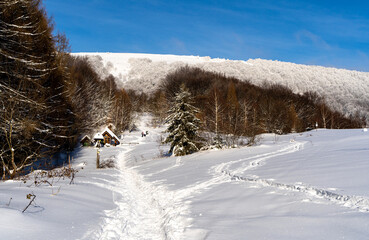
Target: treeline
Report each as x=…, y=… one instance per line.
x=230, y=106
x=47, y=98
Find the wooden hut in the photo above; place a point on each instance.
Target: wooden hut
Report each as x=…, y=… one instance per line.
x=86, y=141
x=110, y=137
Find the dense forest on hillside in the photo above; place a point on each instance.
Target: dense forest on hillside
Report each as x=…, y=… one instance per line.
x=230, y=106
x=344, y=90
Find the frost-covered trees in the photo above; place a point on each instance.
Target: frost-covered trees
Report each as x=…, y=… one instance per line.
x=90, y=102
x=96, y=102
x=183, y=124
x=35, y=119
x=345, y=91
x=122, y=116
x=47, y=97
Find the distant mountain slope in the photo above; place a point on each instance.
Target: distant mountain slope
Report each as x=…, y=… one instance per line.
x=344, y=90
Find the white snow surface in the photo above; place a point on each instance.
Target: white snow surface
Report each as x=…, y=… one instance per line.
x=344, y=90
x=312, y=185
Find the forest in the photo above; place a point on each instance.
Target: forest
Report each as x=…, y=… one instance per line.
x=49, y=98
x=230, y=106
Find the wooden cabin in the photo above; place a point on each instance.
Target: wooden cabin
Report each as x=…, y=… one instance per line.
x=86, y=141
x=110, y=137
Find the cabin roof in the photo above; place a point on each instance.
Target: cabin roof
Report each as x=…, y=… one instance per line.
x=110, y=133
x=85, y=137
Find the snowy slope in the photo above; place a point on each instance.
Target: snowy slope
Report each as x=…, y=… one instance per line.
x=312, y=185
x=344, y=90
x=308, y=186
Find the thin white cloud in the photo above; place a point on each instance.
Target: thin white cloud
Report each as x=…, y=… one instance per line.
x=178, y=46
x=307, y=37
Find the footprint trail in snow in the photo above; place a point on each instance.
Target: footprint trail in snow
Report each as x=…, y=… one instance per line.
x=359, y=203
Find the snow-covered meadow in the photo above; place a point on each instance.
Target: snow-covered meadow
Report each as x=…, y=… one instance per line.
x=344, y=90
x=312, y=185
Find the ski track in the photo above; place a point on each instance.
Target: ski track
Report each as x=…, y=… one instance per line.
x=359, y=203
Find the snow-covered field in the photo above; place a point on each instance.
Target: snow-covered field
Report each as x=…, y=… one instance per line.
x=344, y=90
x=313, y=185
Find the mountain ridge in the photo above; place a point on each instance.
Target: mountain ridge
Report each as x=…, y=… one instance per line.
x=344, y=90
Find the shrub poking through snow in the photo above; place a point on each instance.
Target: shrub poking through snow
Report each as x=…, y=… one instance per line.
x=51, y=177
x=108, y=163
x=32, y=198
x=183, y=124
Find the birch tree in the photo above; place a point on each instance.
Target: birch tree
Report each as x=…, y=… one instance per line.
x=216, y=108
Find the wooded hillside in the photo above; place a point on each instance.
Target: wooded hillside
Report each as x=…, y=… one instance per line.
x=229, y=105
x=47, y=98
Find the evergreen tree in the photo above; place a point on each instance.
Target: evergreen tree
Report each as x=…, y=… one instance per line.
x=183, y=124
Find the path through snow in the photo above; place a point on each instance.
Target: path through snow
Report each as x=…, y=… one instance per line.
x=144, y=210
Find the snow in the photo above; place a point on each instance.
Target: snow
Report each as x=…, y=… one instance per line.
x=312, y=185
x=98, y=136
x=344, y=90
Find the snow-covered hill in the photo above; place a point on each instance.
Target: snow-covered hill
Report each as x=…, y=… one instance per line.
x=346, y=91
x=312, y=185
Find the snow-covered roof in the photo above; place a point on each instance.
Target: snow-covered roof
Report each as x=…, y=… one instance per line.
x=98, y=136
x=85, y=137
x=110, y=132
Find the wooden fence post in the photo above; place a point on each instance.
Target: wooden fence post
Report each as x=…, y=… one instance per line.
x=98, y=159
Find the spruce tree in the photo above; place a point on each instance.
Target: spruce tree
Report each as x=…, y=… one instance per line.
x=183, y=124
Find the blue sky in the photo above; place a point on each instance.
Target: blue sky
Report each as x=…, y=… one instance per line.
x=317, y=32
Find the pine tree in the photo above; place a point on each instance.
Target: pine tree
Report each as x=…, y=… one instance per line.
x=183, y=124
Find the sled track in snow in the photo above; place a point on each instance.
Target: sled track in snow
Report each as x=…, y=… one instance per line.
x=354, y=202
